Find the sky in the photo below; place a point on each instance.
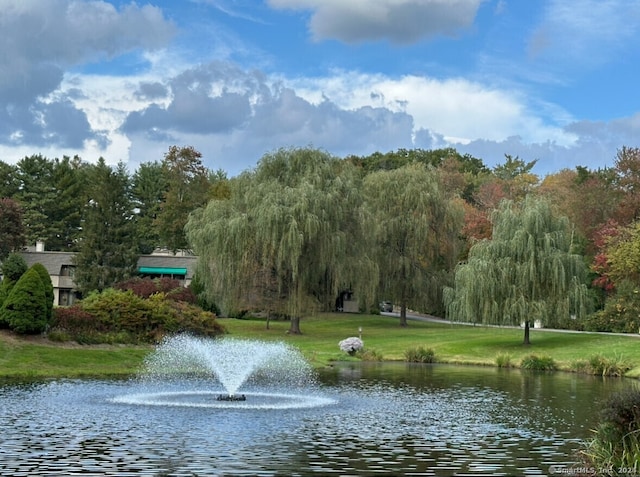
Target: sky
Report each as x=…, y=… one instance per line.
x=547, y=80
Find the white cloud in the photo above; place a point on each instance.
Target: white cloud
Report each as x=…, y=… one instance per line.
x=455, y=108
x=400, y=21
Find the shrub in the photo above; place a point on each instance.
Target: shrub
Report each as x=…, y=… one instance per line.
x=538, y=363
x=366, y=354
x=616, y=441
x=122, y=316
x=603, y=366
x=621, y=313
x=351, y=345
x=74, y=320
x=48, y=287
x=119, y=310
x=504, y=360
x=580, y=366
x=25, y=309
x=5, y=288
x=420, y=354
x=142, y=287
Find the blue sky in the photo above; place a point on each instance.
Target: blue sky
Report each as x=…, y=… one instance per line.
x=551, y=80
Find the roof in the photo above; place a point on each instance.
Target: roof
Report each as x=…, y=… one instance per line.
x=53, y=261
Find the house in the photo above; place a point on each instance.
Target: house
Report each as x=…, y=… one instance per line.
x=61, y=269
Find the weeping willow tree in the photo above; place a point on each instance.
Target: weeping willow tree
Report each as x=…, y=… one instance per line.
x=524, y=273
x=415, y=228
x=289, y=237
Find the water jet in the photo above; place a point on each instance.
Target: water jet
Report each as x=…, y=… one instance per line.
x=185, y=370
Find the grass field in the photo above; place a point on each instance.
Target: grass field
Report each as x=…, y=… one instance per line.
x=459, y=344
x=452, y=343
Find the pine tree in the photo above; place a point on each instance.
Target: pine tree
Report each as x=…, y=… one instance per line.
x=48, y=287
x=25, y=309
x=108, y=250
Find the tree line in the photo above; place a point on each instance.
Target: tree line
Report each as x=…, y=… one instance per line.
x=431, y=230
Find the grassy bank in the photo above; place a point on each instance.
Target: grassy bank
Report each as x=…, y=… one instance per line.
x=319, y=343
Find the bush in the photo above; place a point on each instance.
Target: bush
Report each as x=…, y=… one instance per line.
x=616, y=443
x=5, y=289
x=351, y=345
x=74, y=320
x=366, y=354
x=621, y=313
x=602, y=366
x=538, y=363
x=25, y=309
x=48, y=287
x=504, y=360
x=420, y=354
x=122, y=316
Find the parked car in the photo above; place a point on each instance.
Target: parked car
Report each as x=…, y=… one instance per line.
x=386, y=306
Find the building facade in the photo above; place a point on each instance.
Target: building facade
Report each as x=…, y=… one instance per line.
x=61, y=269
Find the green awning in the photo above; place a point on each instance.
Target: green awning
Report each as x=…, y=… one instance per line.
x=162, y=271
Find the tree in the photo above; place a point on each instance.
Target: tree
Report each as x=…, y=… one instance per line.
x=13, y=267
x=148, y=190
x=414, y=227
x=12, y=234
x=291, y=232
x=48, y=287
x=65, y=215
x=187, y=189
x=25, y=308
x=627, y=170
x=515, y=177
x=9, y=183
x=37, y=196
x=108, y=249
x=526, y=272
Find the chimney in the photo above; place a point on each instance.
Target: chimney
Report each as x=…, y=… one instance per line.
x=39, y=246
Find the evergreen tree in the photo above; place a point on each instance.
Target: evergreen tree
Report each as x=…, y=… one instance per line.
x=187, y=189
x=37, y=196
x=69, y=179
x=5, y=289
x=525, y=272
x=13, y=267
x=148, y=191
x=12, y=233
x=25, y=309
x=48, y=287
x=108, y=250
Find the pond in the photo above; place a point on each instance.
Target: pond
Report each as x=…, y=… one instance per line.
x=361, y=419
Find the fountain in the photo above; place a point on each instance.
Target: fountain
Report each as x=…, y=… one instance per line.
x=272, y=375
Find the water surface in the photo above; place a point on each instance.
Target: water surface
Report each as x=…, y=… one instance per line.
x=370, y=419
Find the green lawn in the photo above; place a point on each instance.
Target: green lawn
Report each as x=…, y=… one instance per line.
x=452, y=343
x=319, y=344
x=26, y=358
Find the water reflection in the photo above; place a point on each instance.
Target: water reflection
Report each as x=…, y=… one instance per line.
x=387, y=419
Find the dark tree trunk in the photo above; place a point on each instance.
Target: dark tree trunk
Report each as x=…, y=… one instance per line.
x=526, y=333
x=294, y=329
x=403, y=315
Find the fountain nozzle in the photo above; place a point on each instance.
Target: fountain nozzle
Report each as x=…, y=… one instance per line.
x=231, y=397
